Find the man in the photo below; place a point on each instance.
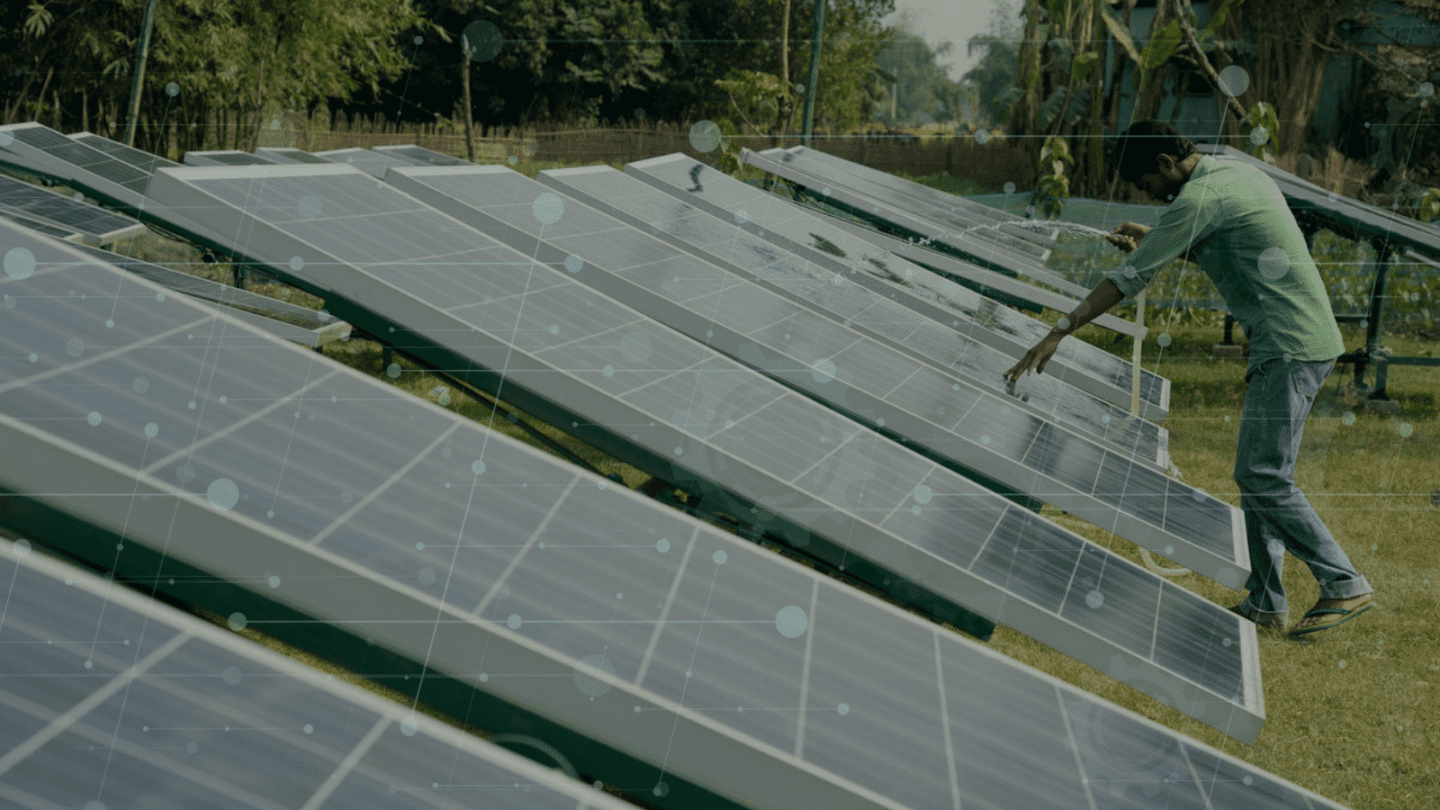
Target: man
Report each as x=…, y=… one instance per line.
x=1232, y=219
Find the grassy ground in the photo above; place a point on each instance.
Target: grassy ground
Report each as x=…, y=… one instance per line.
x=1352, y=714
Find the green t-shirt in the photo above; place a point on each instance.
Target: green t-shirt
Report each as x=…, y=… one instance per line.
x=1239, y=228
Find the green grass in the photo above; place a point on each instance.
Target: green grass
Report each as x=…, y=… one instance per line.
x=1362, y=733
x=1352, y=714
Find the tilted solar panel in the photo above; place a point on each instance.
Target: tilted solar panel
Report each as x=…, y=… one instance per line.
x=112, y=699
x=286, y=154
x=922, y=311
x=960, y=211
x=971, y=245
x=743, y=443
x=293, y=323
x=39, y=150
x=420, y=156
x=231, y=157
x=751, y=682
x=50, y=229
x=374, y=163
x=96, y=225
x=981, y=434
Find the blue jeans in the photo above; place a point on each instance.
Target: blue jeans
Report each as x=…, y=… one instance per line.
x=1278, y=517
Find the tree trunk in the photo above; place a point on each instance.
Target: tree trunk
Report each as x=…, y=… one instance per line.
x=1152, y=82
x=1022, y=115
x=465, y=101
x=786, y=102
x=1095, y=162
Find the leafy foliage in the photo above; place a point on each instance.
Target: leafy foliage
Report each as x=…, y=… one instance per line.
x=1053, y=186
x=925, y=93
x=1264, y=129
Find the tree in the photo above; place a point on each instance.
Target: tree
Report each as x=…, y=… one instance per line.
x=229, y=61
x=924, y=92
x=994, y=80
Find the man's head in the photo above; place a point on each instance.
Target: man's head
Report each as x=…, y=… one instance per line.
x=1151, y=154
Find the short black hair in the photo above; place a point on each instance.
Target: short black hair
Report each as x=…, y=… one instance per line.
x=1138, y=151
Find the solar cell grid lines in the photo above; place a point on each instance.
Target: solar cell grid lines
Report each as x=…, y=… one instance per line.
x=807, y=230
x=769, y=684
x=961, y=210
x=943, y=416
x=78, y=162
x=41, y=150
x=40, y=226
x=95, y=225
x=901, y=214
x=140, y=705
x=743, y=443
x=1089, y=377
x=230, y=157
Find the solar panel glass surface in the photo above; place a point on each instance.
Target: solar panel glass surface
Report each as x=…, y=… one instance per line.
x=961, y=209
x=40, y=226
x=1027, y=237
x=375, y=163
x=816, y=673
x=114, y=698
x=285, y=154
x=420, y=156
x=664, y=404
x=97, y=225
x=225, y=158
x=942, y=415
x=878, y=207
x=908, y=304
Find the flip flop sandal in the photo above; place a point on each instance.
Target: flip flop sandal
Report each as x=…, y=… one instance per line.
x=1345, y=616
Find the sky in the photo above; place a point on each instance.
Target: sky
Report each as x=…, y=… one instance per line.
x=952, y=20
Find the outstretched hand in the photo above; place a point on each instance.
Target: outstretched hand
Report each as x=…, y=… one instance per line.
x=1127, y=236
x=1037, y=358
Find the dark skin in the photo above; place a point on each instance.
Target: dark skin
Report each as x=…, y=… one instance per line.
x=1163, y=184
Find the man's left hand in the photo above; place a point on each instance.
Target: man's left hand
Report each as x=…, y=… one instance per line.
x=1037, y=358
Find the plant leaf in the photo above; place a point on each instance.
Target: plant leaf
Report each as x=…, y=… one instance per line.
x=1162, y=46
x=1121, y=35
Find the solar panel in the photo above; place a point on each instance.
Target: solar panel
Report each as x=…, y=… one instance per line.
x=943, y=416
x=420, y=156
x=140, y=705
x=1106, y=376
x=40, y=226
x=374, y=163
x=752, y=680
x=93, y=223
x=1304, y=196
x=38, y=149
x=797, y=231
x=286, y=154
x=288, y=321
x=742, y=443
x=41, y=151
x=965, y=210
x=129, y=155
x=898, y=215
x=873, y=305
x=231, y=157
x=809, y=232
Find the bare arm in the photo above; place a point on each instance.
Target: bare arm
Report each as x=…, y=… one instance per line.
x=1101, y=299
